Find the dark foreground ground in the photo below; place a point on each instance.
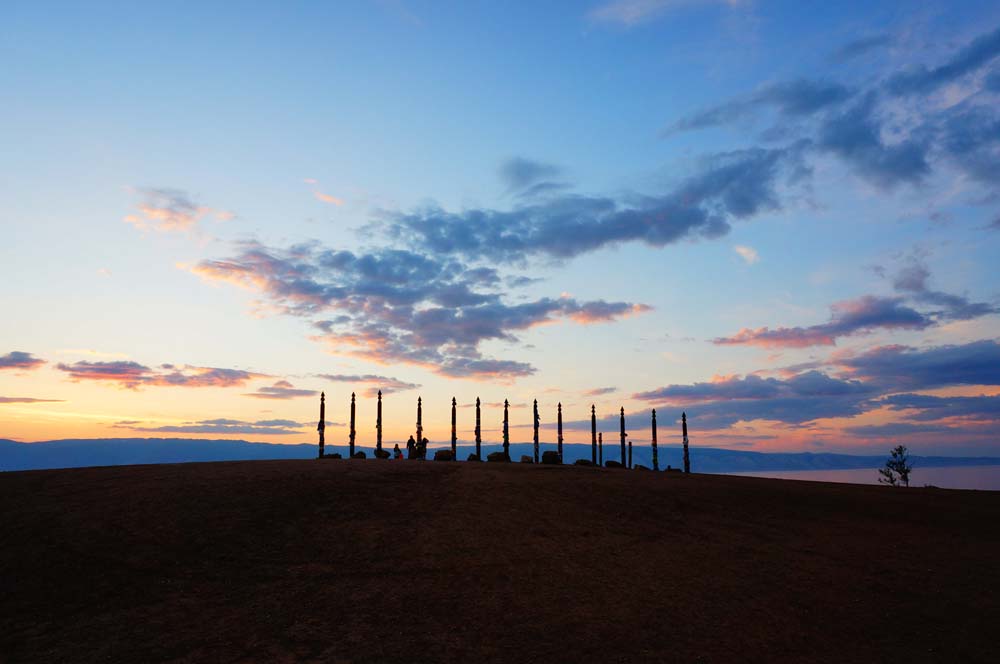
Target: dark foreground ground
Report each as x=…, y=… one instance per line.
x=365, y=561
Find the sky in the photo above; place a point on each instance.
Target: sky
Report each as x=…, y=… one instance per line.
x=781, y=218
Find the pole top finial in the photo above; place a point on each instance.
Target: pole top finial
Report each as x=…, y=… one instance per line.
x=477, y=401
x=592, y=409
x=560, y=405
x=352, y=396
x=654, y=412
x=453, y=402
x=418, y=399
x=536, y=402
x=505, y=403
x=380, y=394
x=623, y=410
x=684, y=416
x=322, y=395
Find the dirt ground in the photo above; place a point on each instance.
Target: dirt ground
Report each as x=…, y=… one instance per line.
x=379, y=561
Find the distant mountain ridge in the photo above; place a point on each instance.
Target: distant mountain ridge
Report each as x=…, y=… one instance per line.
x=77, y=453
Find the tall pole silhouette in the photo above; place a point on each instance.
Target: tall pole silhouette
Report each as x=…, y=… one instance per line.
x=600, y=448
x=454, y=434
x=560, y=437
x=354, y=431
x=623, y=434
x=420, y=423
x=593, y=434
x=321, y=427
x=656, y=458
x=479, y=433
x=378, y=423
x=506, y=431
x=629, y=452
x=684, y=432
x=536, y=430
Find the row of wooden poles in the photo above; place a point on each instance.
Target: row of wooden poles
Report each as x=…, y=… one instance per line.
x=596, y=438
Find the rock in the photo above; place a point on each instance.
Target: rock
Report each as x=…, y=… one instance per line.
x=583, y=462
x=551, y=457
x=612, y=464
x=332, y=455
x=444, y=455
x=639, y=466
x=382, y=454
x=496, y=456
x=359, y=455
x=473, y=457
x=527, y=458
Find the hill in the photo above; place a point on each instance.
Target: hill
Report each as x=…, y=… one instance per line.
x=363, y=561
x=78, y=453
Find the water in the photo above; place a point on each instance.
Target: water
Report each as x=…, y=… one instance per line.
x=953, y=477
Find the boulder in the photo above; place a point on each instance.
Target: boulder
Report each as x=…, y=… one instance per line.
x=496, y=456
x=583, y=462
x=613, y=464
x=332, y=455
x=444, y=455
x=551, y=457
x=473, y=457
x=527, y=458
x=359, y=455
x=382, y=454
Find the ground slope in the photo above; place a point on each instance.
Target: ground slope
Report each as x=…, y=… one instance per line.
x=366, y=561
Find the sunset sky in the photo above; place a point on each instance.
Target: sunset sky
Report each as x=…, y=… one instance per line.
x=780, y=217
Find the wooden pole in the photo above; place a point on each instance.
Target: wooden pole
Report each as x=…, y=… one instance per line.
x=354, y=432
x=378, y=423
x=623, y=434
x=656, y=458
x=321, y=427
x=560, y=436
x=593, y=434
x=629, y=452
x=506, y=430
x=684, y=432
x=420, y=424
x=600, y=448
x=479, y=433
x=454, y=433
x=536, y=430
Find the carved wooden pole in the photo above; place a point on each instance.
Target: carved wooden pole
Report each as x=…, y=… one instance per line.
x=593, y=434
x=378, y=423
x=536, y=430
x=420, y=423
x=684, y=432
x=656, y=458
x=321, y=427
x=629, y=452
x=479, y=433
x=600, y=448
x=454, y=434
x=354, y=432
x=560, y=436
x=506, y=431
x=623, y=434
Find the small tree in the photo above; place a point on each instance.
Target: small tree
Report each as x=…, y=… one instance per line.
x=897, y=468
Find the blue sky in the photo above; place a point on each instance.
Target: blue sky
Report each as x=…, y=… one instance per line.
x=538, y=200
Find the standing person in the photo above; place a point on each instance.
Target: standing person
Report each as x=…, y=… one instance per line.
x=396, y=452
x=423, y=449
x=411, y=448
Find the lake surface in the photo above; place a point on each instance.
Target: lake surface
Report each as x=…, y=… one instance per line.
x=954, y=477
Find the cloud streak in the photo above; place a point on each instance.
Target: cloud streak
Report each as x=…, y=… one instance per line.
x=20, y=360
x=133, y=375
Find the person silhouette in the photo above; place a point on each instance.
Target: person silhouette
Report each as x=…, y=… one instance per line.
x=422, y=451
x=396, y=452
x=411, y=448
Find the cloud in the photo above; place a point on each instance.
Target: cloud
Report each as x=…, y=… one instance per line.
x=912, y=280
x=132, y=375
x=748, y=254
x=847, y=318
x=798, y=97
x=600, y=391
x=221, y=426
x=28, y=400
x=375, y=383
x=921, y=79
x=727, y=186
x=925, y=407
x=393, y=305
x=20, y=360
x=634, y=12
x=166, y=210
x=522, y=175
x=281, y=390
x=909, y=368
x=861, y=46
x=327, y=198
